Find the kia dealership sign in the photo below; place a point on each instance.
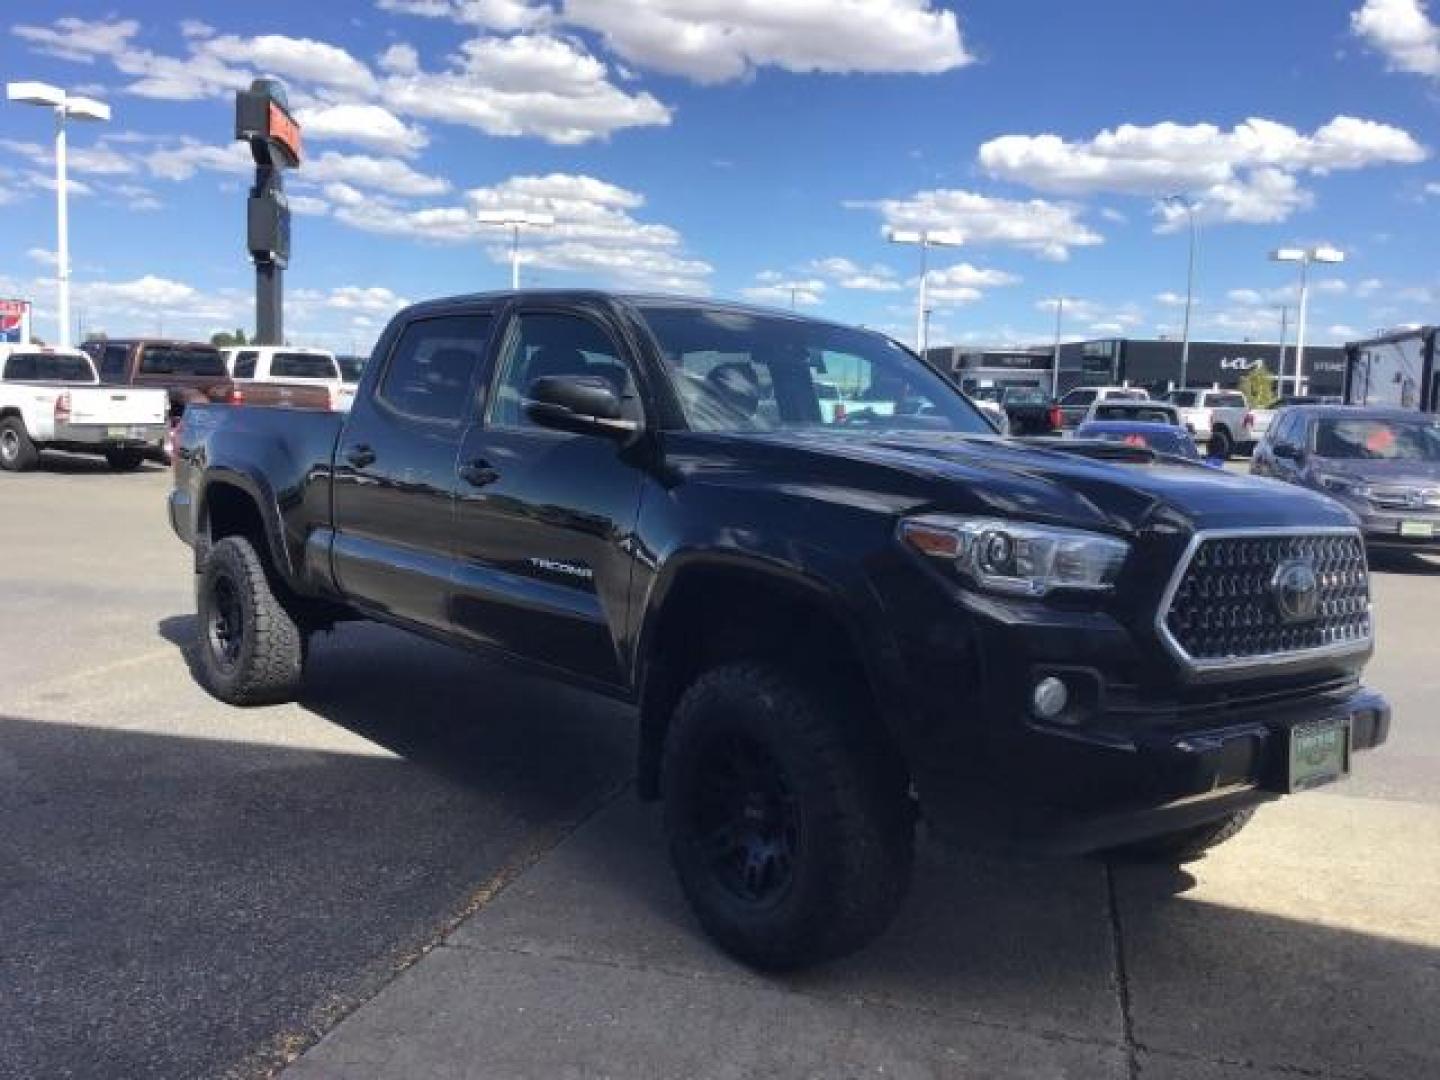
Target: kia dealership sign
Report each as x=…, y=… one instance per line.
x=14, y=321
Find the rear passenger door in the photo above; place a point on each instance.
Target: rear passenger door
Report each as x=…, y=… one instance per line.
x=394, y=478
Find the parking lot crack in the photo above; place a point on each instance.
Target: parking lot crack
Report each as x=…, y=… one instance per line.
x=1122, y=977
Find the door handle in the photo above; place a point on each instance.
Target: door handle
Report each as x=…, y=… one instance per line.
x=478, y=473
x=360, y=456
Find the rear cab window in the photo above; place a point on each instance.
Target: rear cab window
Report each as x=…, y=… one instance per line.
x=48, y=367
x=289, y=365
x=186, y=360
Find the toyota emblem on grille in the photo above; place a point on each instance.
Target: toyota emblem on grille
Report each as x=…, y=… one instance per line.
x=1296, y=590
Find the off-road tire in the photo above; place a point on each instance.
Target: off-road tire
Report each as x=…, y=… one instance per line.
x=1221, y=446
x=1186, y=845
x=851, y=865
x=264, y=664
x=17, y=452
x=122, y=459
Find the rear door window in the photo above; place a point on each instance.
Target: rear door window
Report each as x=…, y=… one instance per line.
x=428, y=374
x=112, y=363
x=245, y=364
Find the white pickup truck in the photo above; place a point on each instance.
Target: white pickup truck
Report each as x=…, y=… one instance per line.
x=1221, y=419
x=51, y=399
x=288, y=375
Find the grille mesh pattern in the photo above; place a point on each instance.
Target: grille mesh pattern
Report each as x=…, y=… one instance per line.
x=1225, y=608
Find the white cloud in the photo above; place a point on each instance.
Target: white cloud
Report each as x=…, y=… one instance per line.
x=181, y=160
x=357, y=299
x=368, y=125
x=714, y=42
x=849, y=275
x=505, y=15
x=44, y=256
x=297, y=58
x=309, y=204
x=774, y=288
x=388, y=176
x=1368, y=287
x=98, y=160
x=529, y=84
x=1047, y=229
x=1109, y=213
x=79, y=40
x=1247, y=173
x=1401, y=30
x=1286, y=294
x=1170, y=299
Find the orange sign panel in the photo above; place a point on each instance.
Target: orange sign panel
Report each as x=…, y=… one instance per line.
x=285, y=131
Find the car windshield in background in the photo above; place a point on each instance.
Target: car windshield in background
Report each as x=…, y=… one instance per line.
x=181, y=360
x=1161, y=440
x=1227, y=401
x=745, y=371
x=1026, y=396
x=303, y=366
x=48, y=367
x=351, y=367
x=1364, y=439
x=1140, y=413
x=1128, y=395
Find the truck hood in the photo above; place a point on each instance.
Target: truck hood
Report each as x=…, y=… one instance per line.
x=1084, y=484
x=1419, y=473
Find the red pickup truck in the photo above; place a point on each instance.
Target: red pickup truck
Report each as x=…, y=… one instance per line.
x=192, y=373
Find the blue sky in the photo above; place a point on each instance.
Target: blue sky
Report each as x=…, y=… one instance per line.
x=755, y=148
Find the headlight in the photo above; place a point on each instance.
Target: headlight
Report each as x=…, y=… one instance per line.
x=1345, y=485
x=1017, y=557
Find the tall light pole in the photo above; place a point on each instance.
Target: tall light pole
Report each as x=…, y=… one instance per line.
x=515, y=220
x=925, y=239
x=65, y=107
x=1055, y=360
x=1304, y=256
x=1284, y=326
x=1188, y=205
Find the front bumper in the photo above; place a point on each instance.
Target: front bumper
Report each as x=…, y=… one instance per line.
x=1388, y=528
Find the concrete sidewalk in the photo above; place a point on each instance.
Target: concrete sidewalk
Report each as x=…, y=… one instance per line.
x=1290, y=951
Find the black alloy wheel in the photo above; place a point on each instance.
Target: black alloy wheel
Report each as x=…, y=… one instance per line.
x=748, y=821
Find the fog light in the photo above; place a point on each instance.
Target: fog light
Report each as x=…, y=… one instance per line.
x=1049, y=698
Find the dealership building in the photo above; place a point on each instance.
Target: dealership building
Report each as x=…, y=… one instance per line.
x=1151, y=363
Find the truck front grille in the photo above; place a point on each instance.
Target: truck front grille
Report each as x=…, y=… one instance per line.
x=1242, y=599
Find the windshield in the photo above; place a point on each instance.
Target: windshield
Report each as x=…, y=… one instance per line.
x=1355, y=439
x=48, y=367
x=1183, y=398
x=1026, y=396
x=745, y=371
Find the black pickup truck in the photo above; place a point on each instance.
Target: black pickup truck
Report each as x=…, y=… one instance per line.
x=831, y=627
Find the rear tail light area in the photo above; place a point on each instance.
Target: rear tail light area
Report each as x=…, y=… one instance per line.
x=236, y=396
x=1249, y=421
x=1057, y=418
x=62, y=408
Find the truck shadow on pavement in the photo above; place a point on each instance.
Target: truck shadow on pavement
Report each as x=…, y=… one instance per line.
x=247, y=868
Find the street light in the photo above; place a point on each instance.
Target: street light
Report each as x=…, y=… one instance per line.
x=1304, y=256
x=1055, y=360
x=515, y=220
x=1188, y=205
x=65, y=107
x=925, y=239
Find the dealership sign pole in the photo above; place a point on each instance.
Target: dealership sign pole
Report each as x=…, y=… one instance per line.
x=262, y=118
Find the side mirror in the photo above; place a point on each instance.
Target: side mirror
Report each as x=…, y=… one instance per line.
x=583, y=404
x=1288, y=451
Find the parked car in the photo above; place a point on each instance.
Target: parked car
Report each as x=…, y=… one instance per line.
x=351, y=367
x=1381, y=463
x=820, y=624
x=988, y=400
x=1222, y=419
x=287, y=375
x=1136, y=411
x=1076, y=404
x=189, y=372
x=50, y=399
x=1163, y=438
x=1031, y=411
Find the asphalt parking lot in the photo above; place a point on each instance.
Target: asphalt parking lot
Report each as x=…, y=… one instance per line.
x=435, y=867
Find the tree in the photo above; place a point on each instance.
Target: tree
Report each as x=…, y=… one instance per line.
x=223, y=339
x=1255, y=384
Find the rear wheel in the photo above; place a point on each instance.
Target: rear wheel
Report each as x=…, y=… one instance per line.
x=1221, y=444
x=1187, y=845
x=251, y=650
x=122, y=459
x=17, y=452
x=791, y=835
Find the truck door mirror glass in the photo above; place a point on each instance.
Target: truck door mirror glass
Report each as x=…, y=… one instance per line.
x=585, y=404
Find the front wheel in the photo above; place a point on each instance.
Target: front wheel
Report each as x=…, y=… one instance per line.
x=17, y=452
x=792, y=835
x=251, y=650
x=1187, y=845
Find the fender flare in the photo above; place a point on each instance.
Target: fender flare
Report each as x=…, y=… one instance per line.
x=254, y=485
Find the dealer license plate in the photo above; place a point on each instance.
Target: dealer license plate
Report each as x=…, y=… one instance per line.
x=1420, y=529
x=1319, y=753
x=117, y=432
